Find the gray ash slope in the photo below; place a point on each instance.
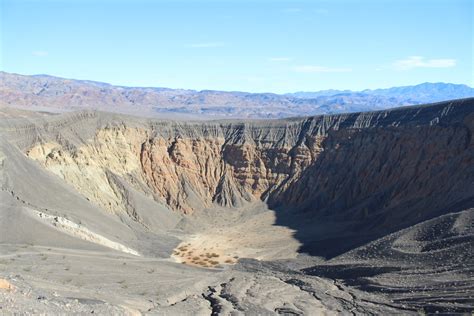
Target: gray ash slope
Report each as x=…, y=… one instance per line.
x=381, y=204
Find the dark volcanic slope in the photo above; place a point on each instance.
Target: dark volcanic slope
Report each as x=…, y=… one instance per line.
x=428, y=266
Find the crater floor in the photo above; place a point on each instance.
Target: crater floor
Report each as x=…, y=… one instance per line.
x=245, y=233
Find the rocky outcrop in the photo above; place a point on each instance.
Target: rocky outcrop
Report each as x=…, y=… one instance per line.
x=403, y=162
x=185, y=172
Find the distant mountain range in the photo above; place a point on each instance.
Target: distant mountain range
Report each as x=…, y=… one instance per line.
x=43, y=92
x=425, y=92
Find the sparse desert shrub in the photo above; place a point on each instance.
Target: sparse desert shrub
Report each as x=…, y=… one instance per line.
x=27, y=269
x=229, y=261
x=213, y=262
x=196, y=258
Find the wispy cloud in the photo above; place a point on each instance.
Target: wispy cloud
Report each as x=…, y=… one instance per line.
x=206, y=45
x=39, y=53
x=316, y=69
x=421, y=62
x=279, y=59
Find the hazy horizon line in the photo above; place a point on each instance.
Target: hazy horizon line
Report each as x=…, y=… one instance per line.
x=228, y=91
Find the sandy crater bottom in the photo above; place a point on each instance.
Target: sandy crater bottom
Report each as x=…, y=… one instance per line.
x=221, y=244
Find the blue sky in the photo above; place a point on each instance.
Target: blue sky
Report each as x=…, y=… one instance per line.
x=258, y=46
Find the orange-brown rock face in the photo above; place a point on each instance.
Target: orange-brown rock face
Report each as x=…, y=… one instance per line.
x=182, y=171
x=193, y=173
x=186, y=173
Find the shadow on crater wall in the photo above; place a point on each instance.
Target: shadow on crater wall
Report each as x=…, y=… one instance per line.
x=370, y=182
